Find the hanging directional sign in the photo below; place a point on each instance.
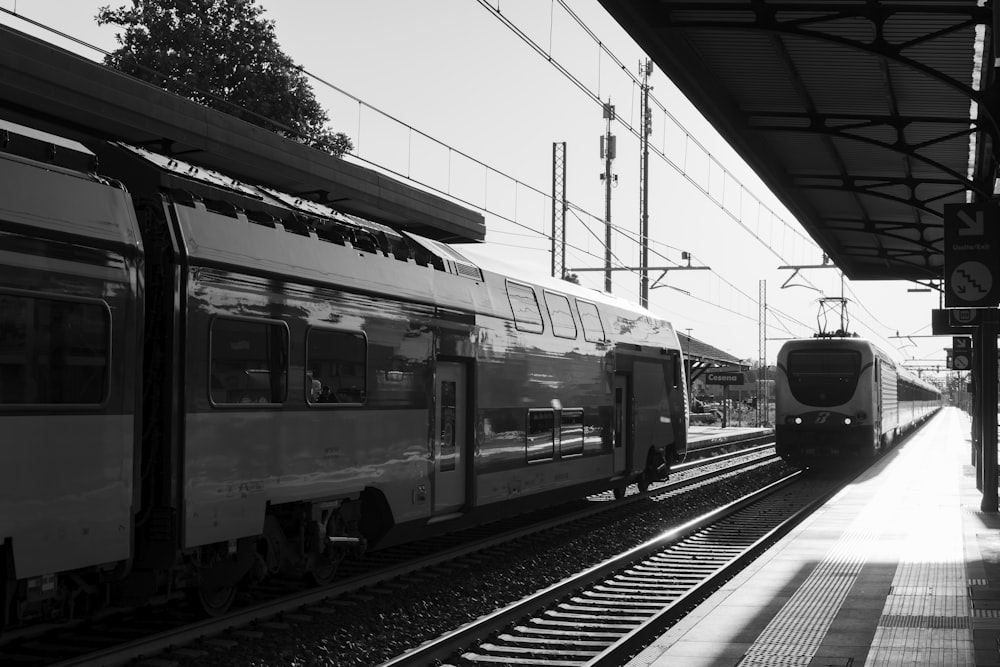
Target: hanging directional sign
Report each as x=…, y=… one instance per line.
x=972, y=255
x=942, y=324
x=959, y=321
x=961, y=353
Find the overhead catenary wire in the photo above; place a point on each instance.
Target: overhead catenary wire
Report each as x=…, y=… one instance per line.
x=602, y=45
x=591, y=94
x=361, y=102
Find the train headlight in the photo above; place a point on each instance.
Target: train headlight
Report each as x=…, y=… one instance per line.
x=798, y=420
x=848, y=420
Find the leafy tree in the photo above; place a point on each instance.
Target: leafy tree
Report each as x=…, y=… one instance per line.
x=223, y=54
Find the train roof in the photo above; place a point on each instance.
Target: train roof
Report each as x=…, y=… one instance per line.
x=481, y=257
x=292, y=236
x=828, y=340
x=850, y=342
x=856, y=343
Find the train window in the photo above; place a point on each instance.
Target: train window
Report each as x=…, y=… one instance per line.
x=336, y=367
x=249, y=361
x=571, y=432
x=563, y=324
x=540, y=435
x=593, y=330
x=823, y=378
x=53, y=351
x=524, y=303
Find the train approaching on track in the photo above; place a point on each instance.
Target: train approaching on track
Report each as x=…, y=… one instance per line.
x=843, y=399
x=205, y=383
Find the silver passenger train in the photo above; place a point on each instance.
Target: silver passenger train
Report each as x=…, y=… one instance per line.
x=205, y=383
x=842, y=399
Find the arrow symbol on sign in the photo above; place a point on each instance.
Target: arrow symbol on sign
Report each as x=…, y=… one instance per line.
x=971, y=227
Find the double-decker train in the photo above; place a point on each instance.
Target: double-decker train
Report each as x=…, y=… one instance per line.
x=205, y=383
x=842, y=398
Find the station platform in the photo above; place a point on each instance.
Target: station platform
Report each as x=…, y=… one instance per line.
x=900, y=568
x=701, y=435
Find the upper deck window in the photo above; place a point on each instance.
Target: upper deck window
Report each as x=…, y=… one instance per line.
x=563, y=324
x=524, y=303
x=53, y=351
x=249, y=361
x=593, y=330
x=823, y=378
x=337, y=366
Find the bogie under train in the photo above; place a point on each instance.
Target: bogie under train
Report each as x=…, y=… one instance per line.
x=205, y=383
x=843, y=399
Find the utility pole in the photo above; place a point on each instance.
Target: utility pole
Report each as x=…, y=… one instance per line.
x=608, y=154
x=559, y=209
x=645, y=69
x=762, y=351
x=690, y=368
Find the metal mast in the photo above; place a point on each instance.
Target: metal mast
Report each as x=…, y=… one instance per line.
x=608, y=153
x=762, y=354
x=559, y=209
x=647, y=127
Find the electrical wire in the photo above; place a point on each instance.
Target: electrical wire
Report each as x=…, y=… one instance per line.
x=570, y=206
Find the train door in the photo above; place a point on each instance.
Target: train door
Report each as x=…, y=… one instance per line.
x=620, y=432
x=450, y=446
x=878, y=403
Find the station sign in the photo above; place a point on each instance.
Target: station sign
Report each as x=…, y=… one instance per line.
x=941, y=323
x=724, y=377
x=965, y=317
x=972, y=255
x=960, y=358
x=946, y=321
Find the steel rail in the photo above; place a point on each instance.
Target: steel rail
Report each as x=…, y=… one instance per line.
x=447, y=646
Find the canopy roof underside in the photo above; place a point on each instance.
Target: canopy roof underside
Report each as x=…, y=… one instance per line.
x=859, y=115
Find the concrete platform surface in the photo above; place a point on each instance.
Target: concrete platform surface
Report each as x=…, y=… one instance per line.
x=899, y=568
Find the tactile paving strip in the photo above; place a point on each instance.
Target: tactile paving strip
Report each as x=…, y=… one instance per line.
x=796, y=632
x=930, y=622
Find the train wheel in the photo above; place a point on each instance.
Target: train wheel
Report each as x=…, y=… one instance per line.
x=322, y=573
x=322, y=576
x=643, y=484
x=214, y=601
x=619, y=492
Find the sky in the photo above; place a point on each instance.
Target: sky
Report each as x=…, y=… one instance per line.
x=467, y=98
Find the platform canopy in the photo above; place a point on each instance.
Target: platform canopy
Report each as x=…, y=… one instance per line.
x=863, y=117
x=52, y=89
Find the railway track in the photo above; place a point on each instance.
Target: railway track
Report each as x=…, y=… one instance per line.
x=119, y=639
x=608, y=613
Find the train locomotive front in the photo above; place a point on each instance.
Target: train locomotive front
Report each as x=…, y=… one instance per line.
x=840, y=398
x=829, y=395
